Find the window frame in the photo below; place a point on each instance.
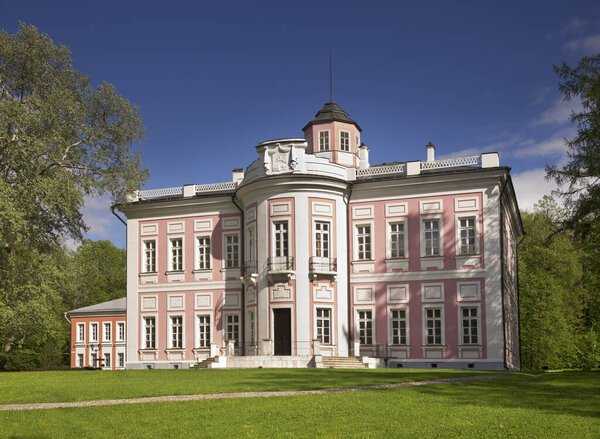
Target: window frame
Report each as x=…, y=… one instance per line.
x=250, y=244
x=197, y=316
x=80, y=327
x=171, y=248
x=225, y=251
x=321, y=149
x=274, y=232
x=349, y=141
x=422, y=240
x=171, y=333
x=388, y=240
x=143, y=343
x=107, y=364
x=390, y=310
x=458, y=218
x=356, y=251
x=329, y=236
x=144, y=259
x=357, y=312
x=331, y=319
x=442, y=325
x=110, y=331
x=120, y=360
x=226, y=329
x=95, y=339
x=476, y=306
x=197, y=246
x=118, y=337
x=80, y=360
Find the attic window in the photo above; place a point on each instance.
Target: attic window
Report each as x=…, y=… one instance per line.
x=323, y=140
x=344, y=141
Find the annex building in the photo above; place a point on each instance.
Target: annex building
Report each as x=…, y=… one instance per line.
x=310, y=256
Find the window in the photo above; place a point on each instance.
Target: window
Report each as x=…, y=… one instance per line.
x=431, y=237
x=107, y=331
x=323, y=140
x=120, y=359
x=94, y=360
x=203, y=253
x=79, y=360
x=365, y=327
x=93, y=331
x=433, y=322
x=176, y=254
x=344, y=141
x=250, y=235
x=232, y=251
x=280, y=230
x=396, y=242
x=399, y=327
x=232, y=328
x=81, y=332
x=321, y=239
x=363, y=241
x=324, y=325
x=467, y=236
x=204, y=331
x=469, y=325
x=251, y=323
x=149, y=332
x=150, y=256
x=177, y=332
x=106, y=360
x=120, y=331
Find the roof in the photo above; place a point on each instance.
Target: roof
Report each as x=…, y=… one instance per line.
x=112, y=307
x=329, y=113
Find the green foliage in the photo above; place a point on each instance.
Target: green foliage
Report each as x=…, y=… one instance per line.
x=554, y=295
x=25, y=359
x=581, y=175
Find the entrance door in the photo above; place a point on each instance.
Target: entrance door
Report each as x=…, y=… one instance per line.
x=282, y=324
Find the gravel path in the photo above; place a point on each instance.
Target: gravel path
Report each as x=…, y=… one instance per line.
x=171, y=398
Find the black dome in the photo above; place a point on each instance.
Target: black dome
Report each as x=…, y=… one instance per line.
x=329, y=113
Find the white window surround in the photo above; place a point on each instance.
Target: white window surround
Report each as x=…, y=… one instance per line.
x=93, y=356
x=422, y=234
x=203, y=300
x=80, y=333
x=349, y=148
x=321, y=144
x=145, y=303
x=106, y=364
x=457, y=219
x=225, y=263
x=252, y=341
x=239, y=327
x=373, y=323
x=469, y=287
x=106, y=325
x=143, y=318
x=398, y=293
x=274, y=221
x=404, y=308
x=197, y=315
x=430, y=288
x=94, y=338
x=466, y=204
x=443, y=325
x=251, y=244
x=172, y=302
x=460, y=325
x=170, y=240
x=388, y=238
x=170, y=331
x=80, y=360
x=175, y=227
x=431, y=206
x=144, y=266
x=149, y=229
x=355, y=240
x=332, y=333
x=120, y=362
x=197, y=238
x=118, y=336
x=326, y=245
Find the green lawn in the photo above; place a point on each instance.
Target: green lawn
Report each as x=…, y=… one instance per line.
x=565, y=405
x=82, y=385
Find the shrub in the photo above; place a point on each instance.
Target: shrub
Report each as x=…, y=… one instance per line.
x=20, y=360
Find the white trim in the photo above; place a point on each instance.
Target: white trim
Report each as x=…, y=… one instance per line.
x=170, y=240
x=281, y=292
x=143, y=318
x=212, y=285
x=396, y=209
x=149, y=229
x=416, y=276
x=251, y=214
x=104, y=339
x=224, y=244
x=388, y=238
x=373, y=323
x=280, y=208
x=91, y=333
x=79, y=339
x=321, y=208
x=290, y=238
x=323, y=288
x=118, y=339
x=197, y=268
x=389, y=310
x=468, y=298
x=203, y=225
x=170, y=316
x=422, y=220
x=460, y=326
x=402, y=295
x=171, y=307
x=212, y=326
x=106, y=354
x=231, y=223
x=439, y=306
x=340, y=131
x=365, y=300
x=319, y=149
x=457, y=219
x=289, y=306
x=227, y=299
x=467, y=204
x=250, y=250
x=149, y=307
x=427, y=207
x=144, y=269
x=208, y=304
x=176, y=227
x=355, y=227
x=332, y=331
x=433, y=287
x=239, y=324
x=363, y=212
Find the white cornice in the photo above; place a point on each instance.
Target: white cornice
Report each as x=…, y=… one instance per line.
x=417, y=276
x=190, y=286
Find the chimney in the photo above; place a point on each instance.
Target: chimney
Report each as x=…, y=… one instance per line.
x=237, y=175
x=430, y=152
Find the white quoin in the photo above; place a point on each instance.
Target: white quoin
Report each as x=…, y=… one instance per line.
x=430, y=152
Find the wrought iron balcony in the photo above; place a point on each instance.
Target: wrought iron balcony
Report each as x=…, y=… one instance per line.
x=250, y=268
x=280, y=264
x=322, y=265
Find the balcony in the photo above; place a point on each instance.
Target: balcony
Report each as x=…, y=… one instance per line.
x=250, y=273
x=281, y=267
x=322, y=267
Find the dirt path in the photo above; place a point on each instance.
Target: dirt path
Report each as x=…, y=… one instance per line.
x=172, y=398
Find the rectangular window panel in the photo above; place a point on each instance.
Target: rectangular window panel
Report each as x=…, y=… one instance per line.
x=281, y=239
x=150, y=256
x=94, y=332
x=397, y=240
x=120, y=331
x=324, y=325
x=469, y=326
x=232, y=328
x=80, y=360
x=106, y=360
x=432, y=237
x=177, y=254
x=232, y=251
x=94, y=360
x=433, y=321
x=363, y=239
x=149, y=333
x=177, y=332
x=321, y=239
x=344, y=140
x=251, y=323
x=467, y=236
x=107, y=332
x=399, y=326
x=365, y=327
x=120, y=359
x=203, y=255
x=204, y=331
x=324, y=141
x=81, y=332
x=250, y=234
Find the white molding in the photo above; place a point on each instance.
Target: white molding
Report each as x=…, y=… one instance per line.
x=251, y=214
x=104, y=339
x=363, y=294
x=425, y=307
x=427, y=207
x=457, y=219
x=355, y=259
x=358, y=266
x=432, y=262
x=124, y=339
x=460, y=326
x=363, y=212
x=219, y=284
x=281, y=292
x=318, y=142
x=224, y=267
x=466, y=204
x=322, y=208
x=149, y=229
x=332, y=321
x=175, y=227
x=432, y=292
x=396, y=209
x=340, y=141
x=201, y=272
x=418, y=276
x=146, y=304
x=231, y=223
x=373, y=320
x=398, y=293
x=142, y=341
x=323, y=292
x=203, y=225
x=169, y=343
x=210, y=314
x=77, y=338
x=144, y=273
x=388, y=239
x=422, y=220
x=250, y=295
x=232, y=299
x=472, y=291
x=280, y=208
x=97, y=339
x=172, y=302
x=390, y=340
x=203, y=301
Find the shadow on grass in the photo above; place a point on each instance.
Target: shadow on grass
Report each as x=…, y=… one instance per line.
x=574, y=393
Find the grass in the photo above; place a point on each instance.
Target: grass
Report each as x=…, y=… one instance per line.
x=82, y=385
x=559, y=405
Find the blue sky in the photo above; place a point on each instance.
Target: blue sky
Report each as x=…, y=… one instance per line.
x=213, y=80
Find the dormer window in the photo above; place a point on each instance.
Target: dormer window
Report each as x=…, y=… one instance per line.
x=323, y=140
x=344, y=141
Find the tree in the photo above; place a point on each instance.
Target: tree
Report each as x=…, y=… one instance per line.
x=580, y=177
x=60, y=139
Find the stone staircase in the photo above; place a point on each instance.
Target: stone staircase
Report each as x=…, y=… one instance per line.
x=204, y=363
x=343, y=363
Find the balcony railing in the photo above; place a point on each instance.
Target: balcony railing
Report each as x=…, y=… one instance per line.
x=322, y=265
x=282, y=263
x=250, y=268
x=452, y=162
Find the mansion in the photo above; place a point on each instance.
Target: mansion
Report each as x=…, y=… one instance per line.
x=312, y=254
